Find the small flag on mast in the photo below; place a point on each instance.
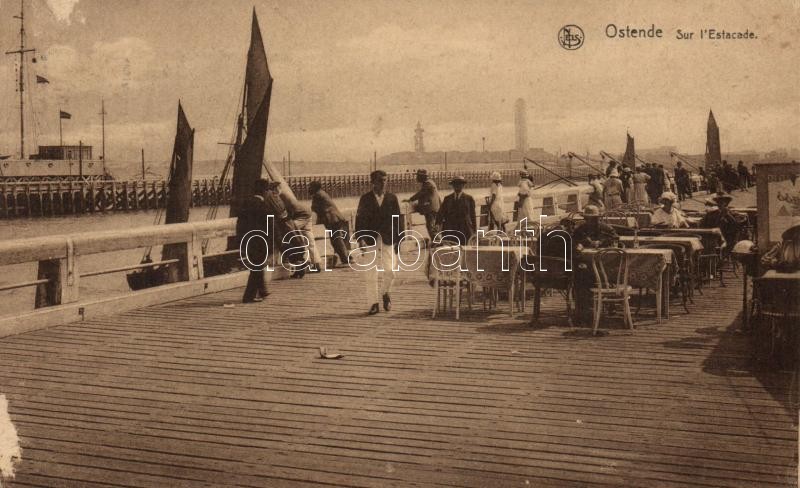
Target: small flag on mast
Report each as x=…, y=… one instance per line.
x=41, y=79
x=64, y=115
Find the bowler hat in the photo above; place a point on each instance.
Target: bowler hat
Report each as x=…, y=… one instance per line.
x=458, y=179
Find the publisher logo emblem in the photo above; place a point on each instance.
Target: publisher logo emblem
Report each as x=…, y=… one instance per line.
x=570, y=37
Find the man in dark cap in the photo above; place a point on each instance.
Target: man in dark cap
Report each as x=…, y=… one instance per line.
x=744, y=176
x=376, y=233
x=682, y=182
x=457, y=219
x=333, y=220
x=255, y=236
x=427, y=201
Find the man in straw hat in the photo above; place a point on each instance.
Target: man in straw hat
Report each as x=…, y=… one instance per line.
x=668, y=215
x=427, y=201
x=457, y=219
x=376, y=234
x=591, y=234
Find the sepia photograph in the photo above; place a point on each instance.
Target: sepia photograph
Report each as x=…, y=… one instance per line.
x=396, y=243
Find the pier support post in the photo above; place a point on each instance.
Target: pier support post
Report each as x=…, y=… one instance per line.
x=62, y=286
x=194, y=258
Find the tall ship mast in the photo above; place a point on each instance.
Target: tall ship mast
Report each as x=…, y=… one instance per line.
x=62, y=162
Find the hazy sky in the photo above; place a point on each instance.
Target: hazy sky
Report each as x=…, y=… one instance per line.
x=354, y=76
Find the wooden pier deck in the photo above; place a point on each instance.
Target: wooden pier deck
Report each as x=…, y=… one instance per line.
x=195, y=394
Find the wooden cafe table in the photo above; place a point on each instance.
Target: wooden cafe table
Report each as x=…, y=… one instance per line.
x=777, y=296
x=652, y=269
x=496, y=267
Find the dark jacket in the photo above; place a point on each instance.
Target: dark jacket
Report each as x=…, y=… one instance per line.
x=295, y=209
x=253, y=217
x=585, y=234
x=729, y=223
x=427, y=198
x=377, y=220
x=327, y=212
x=457, y=216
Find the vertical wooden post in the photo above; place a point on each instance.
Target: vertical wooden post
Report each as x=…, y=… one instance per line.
x=3, y=203
x=115, y=204
x=90, y=197
x=194, y=257
x=64, y=280
x=28, y=199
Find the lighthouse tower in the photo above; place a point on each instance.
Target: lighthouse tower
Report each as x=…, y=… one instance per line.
x=419, y=144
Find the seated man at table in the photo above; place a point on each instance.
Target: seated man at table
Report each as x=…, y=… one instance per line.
x=591, y=234
x=667, y=215
x=729, y=222
x=785, y=255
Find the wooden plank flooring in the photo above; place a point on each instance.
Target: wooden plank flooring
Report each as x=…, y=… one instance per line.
x=195, y=394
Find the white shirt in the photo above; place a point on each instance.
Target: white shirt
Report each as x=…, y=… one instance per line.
x=524, y=186
x=379, y=198
x=674, y=219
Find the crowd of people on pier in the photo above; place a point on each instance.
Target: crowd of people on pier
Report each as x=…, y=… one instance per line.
x=454, y=220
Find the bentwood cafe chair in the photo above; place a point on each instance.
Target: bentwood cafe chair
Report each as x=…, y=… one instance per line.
x=611, y=288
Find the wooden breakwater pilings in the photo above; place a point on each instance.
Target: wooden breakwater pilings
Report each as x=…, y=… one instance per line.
x=53, y=198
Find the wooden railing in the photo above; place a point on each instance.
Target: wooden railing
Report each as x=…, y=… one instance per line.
x=59, y=275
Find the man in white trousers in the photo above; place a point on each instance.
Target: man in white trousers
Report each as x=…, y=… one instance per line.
x=378, y=235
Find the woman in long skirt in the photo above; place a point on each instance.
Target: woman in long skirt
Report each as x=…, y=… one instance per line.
x=640, y=180
x=497, y=211
x=612, y=191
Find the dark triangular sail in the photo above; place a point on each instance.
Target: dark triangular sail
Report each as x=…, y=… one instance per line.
x=713, y=150
x=629, y=159
x=249, y=156
x=179, y=197
x=180, y=172
x=258, y=80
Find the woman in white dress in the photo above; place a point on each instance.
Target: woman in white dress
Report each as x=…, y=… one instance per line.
x=640, y=179
x=497, y=211
x=525, y=208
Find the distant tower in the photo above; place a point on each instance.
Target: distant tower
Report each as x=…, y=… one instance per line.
x=419, y=144
x=713, y=150
x=520, y=126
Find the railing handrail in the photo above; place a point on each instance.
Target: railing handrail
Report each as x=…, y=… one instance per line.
x=25, y=250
